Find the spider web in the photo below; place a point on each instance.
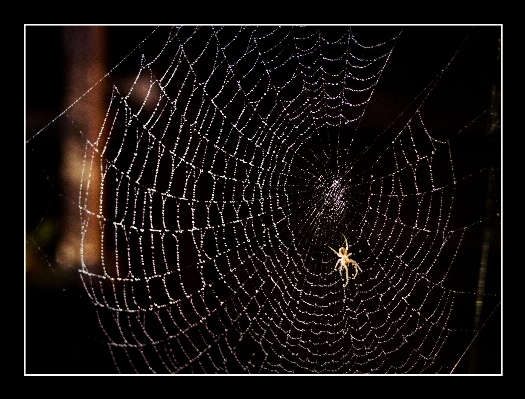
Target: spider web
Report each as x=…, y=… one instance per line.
x=236, y=155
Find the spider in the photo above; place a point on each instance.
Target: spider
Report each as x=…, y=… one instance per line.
x=345, y=260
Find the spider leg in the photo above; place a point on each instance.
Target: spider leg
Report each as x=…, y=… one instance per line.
x=356, y=267
x=346, y=276
x=346, y=242
x=336, y=263
x=335, y=252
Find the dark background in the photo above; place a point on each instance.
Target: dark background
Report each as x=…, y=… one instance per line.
x=62, y=333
